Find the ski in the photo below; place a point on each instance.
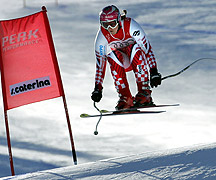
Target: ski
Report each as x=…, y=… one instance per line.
x=116, y=113
x=131, y=109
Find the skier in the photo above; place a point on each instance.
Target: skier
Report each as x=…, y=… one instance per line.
x=123, y=43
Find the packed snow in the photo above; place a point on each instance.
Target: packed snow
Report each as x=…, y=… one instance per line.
x=177, y=144
x=196, y=163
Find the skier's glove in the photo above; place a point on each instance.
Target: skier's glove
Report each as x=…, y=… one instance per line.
x=155, y=77
x=97, y=93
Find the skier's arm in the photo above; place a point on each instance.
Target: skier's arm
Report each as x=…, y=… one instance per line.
x=139, y=35
x=100, y=53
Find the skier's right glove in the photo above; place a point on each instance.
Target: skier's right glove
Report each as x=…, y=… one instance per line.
x=97, y=93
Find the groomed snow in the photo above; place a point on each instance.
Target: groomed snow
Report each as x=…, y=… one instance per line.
x=179, y=164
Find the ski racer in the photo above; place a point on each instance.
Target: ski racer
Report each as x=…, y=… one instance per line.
x=123, y=43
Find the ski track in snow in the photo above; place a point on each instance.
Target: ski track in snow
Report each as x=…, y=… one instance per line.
x=180, y=32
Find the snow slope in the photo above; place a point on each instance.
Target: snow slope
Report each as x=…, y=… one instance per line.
x=180, y=32
x=196, y=163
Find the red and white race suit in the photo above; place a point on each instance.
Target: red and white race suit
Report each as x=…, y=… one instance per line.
x=129, y=49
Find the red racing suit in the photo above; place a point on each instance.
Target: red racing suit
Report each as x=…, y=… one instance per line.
x=129, y=49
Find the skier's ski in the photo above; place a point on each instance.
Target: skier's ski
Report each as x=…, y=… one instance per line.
x=116, y=113
x=131, y=109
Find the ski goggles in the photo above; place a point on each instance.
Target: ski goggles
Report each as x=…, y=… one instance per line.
x=109, y=24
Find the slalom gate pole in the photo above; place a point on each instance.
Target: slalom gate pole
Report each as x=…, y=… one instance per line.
x=70, y=131
x=56, y=2
x=52, y=48
x=96, y=131
x=9, y=143
x=176, y=74
x=24, y=3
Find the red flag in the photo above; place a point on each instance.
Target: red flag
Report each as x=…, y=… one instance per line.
x=29, y=68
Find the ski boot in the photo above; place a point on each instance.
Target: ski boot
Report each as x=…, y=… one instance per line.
x=125, y=103
x=143, y=98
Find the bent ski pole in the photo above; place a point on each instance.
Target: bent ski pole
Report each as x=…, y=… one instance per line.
x=176, y=74
x=96, y=131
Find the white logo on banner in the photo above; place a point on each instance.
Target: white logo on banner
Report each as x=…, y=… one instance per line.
x=20, y=39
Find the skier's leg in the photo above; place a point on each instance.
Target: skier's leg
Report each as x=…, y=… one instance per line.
x=115, y=60
x=139, y=66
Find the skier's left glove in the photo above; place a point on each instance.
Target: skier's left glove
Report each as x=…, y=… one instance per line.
x=97, y=93
x=155, y=77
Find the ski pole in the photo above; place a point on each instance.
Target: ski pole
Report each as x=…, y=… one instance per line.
x=166, y=77
x=176, y=74
x=96, y=131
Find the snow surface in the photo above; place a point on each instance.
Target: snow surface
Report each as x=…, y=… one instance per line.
x=150, y=146
x=175, y=164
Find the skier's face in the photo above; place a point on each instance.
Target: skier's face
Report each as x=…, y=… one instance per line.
x=111, y=26
x=113, y=31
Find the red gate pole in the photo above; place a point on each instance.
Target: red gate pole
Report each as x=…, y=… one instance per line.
x=70, y=130
x=59, y=82
x=9, y=143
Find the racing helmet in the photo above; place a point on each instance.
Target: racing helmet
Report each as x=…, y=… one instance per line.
x=110, y=16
